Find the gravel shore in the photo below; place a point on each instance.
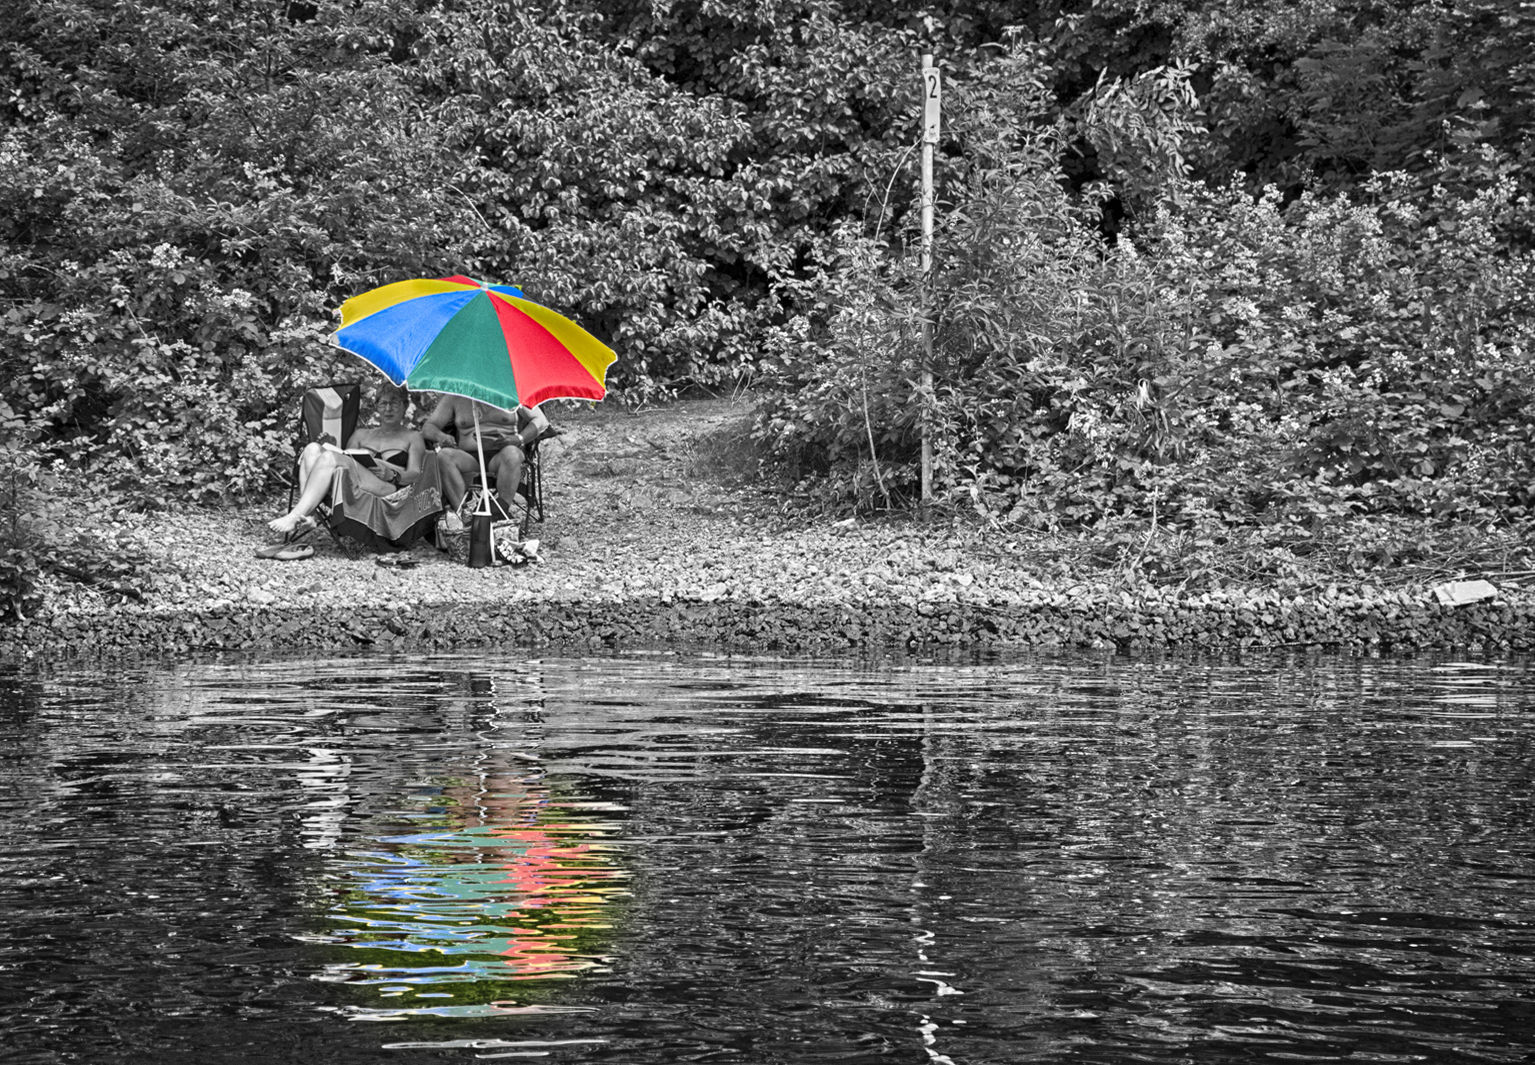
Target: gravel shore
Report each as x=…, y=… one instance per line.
x=657, y=532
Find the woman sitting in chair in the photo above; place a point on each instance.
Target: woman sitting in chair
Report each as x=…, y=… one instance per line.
x=381, y=458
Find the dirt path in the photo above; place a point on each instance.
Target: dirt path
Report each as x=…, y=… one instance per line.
x=664, y=477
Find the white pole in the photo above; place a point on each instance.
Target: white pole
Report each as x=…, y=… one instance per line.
x=479, y=446
x=931, y=98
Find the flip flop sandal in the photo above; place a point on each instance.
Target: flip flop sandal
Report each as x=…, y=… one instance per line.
x=397, y=561
x=285, y=552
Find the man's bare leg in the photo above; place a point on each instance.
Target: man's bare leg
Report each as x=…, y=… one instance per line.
x=508, y=474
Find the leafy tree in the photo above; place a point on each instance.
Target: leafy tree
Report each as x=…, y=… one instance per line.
x=1329, y=89
x=190, y=191
x=186, y=188
x=812, y=98
x=598, y=186
x=1228, y=361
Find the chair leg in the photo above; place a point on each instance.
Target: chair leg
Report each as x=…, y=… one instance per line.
x=532, y=489
x=474, y=498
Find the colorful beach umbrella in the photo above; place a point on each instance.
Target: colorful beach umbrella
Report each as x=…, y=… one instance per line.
x=473, y=339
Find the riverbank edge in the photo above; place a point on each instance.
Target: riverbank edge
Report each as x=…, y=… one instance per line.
x=1397, y=622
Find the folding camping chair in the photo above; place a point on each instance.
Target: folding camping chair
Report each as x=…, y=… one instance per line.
x=529, y=499
x=395, y=522
x=326, y=415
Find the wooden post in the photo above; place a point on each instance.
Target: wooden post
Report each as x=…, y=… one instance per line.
x=931, y=98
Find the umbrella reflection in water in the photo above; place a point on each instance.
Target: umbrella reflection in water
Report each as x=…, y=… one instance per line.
x=511, y=884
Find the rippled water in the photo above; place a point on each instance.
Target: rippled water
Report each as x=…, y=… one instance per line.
x=658, y=859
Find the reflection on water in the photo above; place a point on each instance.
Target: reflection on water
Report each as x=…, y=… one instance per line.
x=648, y=861
x=495, y=881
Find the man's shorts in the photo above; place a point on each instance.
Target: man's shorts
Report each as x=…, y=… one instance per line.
x=490, y=452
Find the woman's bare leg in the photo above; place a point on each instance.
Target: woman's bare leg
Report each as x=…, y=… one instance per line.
x=316, y=471
x=306, y=464
x=314, y=483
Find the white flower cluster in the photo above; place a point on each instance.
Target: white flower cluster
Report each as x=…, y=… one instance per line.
x=166, y=256
x=76, y=318
x=1243, y=310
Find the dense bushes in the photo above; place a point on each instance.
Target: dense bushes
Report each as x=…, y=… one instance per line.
x=55, y=525
x=190, y=187
x=1228, y=358
x=176, y=224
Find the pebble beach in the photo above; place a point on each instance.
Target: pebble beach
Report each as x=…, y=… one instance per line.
x=658, y=534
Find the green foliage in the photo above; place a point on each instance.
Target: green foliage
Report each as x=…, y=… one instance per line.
x=1230, y=361
x=57, y=525
x=188, y=194
x=660, y=166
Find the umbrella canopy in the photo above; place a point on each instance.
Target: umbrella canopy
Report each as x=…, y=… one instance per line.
x=473, y=339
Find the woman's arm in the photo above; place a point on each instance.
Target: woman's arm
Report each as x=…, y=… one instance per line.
x=412, y=471
x=377, y=478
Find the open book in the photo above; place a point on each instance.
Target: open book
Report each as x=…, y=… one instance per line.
x=363, y=456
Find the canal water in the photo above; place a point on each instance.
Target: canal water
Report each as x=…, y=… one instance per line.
x=660, y=859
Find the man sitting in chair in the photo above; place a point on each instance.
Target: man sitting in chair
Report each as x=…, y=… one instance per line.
x=505, y=438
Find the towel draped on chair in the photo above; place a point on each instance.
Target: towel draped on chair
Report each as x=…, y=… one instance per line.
x=388, y=523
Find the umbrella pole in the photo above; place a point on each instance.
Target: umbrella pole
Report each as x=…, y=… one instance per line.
x=479, y=446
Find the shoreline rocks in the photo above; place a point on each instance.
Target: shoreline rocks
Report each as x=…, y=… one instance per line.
x=716, y=618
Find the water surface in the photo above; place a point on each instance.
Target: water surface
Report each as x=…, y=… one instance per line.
x=664, y=859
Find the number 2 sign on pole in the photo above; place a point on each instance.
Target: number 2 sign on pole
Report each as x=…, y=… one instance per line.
x=932, y=96
x=932, y=99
